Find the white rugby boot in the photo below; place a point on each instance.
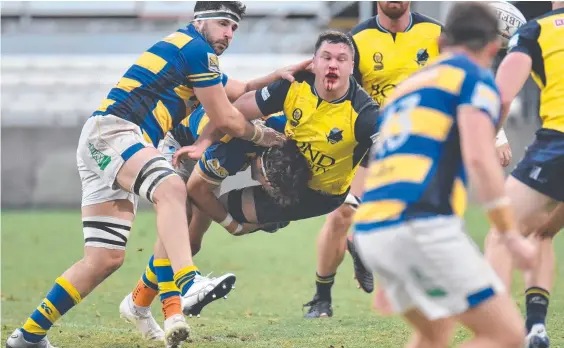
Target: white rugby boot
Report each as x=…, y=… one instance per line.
x=176, y=331
x=538, y=337
x=16, y=340
x=205, y=290
x=142, y=318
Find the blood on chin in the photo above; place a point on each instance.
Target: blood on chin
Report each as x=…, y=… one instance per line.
x=329, y=83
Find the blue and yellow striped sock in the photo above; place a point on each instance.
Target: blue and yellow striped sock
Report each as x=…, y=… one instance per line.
x=185, y=278
x=62, y=297
x=147, y=287
x=168, y=291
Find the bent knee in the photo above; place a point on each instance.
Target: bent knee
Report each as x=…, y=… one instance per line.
x=172, y=189
x=341, y=218
x=104, y=261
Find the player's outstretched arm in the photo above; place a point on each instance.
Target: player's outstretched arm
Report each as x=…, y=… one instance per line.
x=250, y=108
x=235, y=88
x=223, y=114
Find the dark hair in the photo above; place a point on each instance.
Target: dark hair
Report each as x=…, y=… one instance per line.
x=470, y=24
x=288, y=172
x=334, y=37
x=236, y=6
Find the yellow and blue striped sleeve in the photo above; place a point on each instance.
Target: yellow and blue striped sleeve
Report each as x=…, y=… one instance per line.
x=201, y=64
x=221, y=160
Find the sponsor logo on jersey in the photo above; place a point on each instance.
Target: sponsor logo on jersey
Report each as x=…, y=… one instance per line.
x=318, y=161
x=335, y=135
x=265, y=94
x=216, y=168
x=101, y=160
x=422, y=57
x=213, y=63
x=296, y=116
x=378, y=61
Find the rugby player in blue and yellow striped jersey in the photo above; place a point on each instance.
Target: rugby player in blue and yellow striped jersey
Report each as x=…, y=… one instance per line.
x=535, y=186
x=118, y=162
x=438, y=129
x=282, y=171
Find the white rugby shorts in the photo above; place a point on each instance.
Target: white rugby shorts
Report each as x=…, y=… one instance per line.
x=429, y=264
x=105, y=143
x=168, y=146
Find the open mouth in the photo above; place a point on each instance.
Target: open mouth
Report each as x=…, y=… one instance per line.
x=332, y=76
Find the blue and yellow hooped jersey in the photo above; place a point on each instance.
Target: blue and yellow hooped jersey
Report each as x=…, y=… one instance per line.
x=224, y=158
x=156, y=92
x=416, y=168
x=543, y=40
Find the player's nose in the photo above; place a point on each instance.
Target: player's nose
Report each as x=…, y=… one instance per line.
x=228, y=34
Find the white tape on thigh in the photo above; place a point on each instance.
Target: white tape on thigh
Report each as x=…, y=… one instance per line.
x=106, y=232
x=153, y=173
x=352, y=201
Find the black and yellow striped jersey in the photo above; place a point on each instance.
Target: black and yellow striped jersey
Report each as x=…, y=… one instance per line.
x=333, y=136
x=384, y=59
x=543, y=40
x=156, y=92
x=416, y=169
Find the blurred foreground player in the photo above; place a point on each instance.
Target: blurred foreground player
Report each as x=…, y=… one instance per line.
x=390, y=47
x=438, y=129
x=535, y=185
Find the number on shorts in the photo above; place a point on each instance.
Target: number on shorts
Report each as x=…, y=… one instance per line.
x=397, y=113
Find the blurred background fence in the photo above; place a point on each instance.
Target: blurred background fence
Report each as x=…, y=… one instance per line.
x=60, y=59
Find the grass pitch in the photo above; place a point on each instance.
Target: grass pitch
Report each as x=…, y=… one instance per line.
x=275, y=276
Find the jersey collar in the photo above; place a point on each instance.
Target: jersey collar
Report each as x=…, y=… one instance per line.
x=384, y=30
x=194, y=32
x=336, y=101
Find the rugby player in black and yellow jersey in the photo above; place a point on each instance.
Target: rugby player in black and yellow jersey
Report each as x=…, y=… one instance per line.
x=118, y=162
x=390, y=47
x=535, y=185
x=331, y=118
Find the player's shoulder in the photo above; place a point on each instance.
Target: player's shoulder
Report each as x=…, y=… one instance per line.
x=360, y=99
x=529, y=30
x=196, y=43
x=370, y=23
x=418, y=18
x=469, y=70
x=546, y=17
x=463, y=62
